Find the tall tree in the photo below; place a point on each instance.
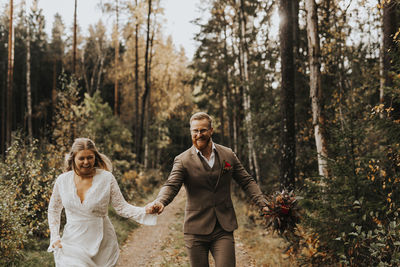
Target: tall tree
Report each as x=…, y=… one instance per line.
x=390, y=27
x=314, y=54
x=74, y=45
x=243, y=48
x=116, y=81
x=288, y=140
x=94, y=55
x=28, y=78
x=148, y=104
x=57, y=52
x=137, y=89
x=146, y=81
x=10, y=75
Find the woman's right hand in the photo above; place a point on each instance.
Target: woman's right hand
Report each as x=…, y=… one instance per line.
x=57, y=244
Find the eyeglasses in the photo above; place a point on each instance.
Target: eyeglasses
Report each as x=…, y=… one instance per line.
x=197, y=131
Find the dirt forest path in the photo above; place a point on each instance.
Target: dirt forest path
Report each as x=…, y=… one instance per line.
x=163, y=244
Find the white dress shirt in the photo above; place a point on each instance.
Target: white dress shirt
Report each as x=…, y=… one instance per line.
x=211, y=161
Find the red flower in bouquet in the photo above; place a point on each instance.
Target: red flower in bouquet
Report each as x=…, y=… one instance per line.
x=283, y=213
x=285, y=209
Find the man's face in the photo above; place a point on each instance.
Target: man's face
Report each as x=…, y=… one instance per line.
x=201, y=133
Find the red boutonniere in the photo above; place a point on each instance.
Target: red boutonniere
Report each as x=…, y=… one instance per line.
x=227, y=167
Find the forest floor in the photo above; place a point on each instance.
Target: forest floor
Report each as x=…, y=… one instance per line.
x=163, y=244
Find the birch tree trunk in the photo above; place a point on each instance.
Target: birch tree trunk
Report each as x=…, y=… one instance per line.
x=288, y=141
x=253, y=162
x=10, y=75
x=228, y=88
x=315, y=85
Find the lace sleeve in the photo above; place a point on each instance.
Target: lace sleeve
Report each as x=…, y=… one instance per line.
x=54, y=216
x=127, y=210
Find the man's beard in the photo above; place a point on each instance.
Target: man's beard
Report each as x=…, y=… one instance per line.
x=206, y=139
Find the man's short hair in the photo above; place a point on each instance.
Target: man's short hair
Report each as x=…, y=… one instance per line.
x=201, y=116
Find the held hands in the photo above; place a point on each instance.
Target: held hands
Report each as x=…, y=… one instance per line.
x=265, y=209
x=57, y=244
x=154, y=207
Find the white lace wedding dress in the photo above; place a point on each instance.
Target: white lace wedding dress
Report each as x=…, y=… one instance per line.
x=89, y=238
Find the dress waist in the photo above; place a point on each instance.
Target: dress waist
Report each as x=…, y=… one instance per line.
x=73, y=219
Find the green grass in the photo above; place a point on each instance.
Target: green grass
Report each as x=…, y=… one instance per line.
x=35, y=255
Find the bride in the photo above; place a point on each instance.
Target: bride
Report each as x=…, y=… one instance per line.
x=85, y=190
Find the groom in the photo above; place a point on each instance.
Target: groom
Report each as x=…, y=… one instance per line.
x=206, y=170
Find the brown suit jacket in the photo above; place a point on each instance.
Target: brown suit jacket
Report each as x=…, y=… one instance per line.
x=205, y=204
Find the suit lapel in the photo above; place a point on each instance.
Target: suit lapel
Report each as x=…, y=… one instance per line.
x=221, y=161
x=196, y=158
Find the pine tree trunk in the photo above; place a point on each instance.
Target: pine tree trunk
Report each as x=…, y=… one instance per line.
x=10, y=75
x=137, y=130
x=54, y=89
x=74, y=41
x=389, y=49
x=3, y=109
x=146, y=137
x=146, y=82
x=389, y=29
x=100, y=73
x=84, y=73
x=381, y=70
x=315, y=85
x=288, y=141
x=95, y=69
x=148, y=109
x=116, y=69
x=28, y=82
x=221, y=115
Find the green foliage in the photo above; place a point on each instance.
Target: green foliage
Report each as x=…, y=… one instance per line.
x=354, y=211
x=113, y=138
x=376, y=246
x=68, y=120
x=25, y=189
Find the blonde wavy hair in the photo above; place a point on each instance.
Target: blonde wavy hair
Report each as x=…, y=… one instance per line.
x=101, y=160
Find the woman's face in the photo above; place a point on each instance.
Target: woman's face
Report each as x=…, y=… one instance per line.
x=84, y=161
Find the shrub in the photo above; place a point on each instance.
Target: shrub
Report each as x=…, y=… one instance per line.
x=379, y=246
x=25, y=190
